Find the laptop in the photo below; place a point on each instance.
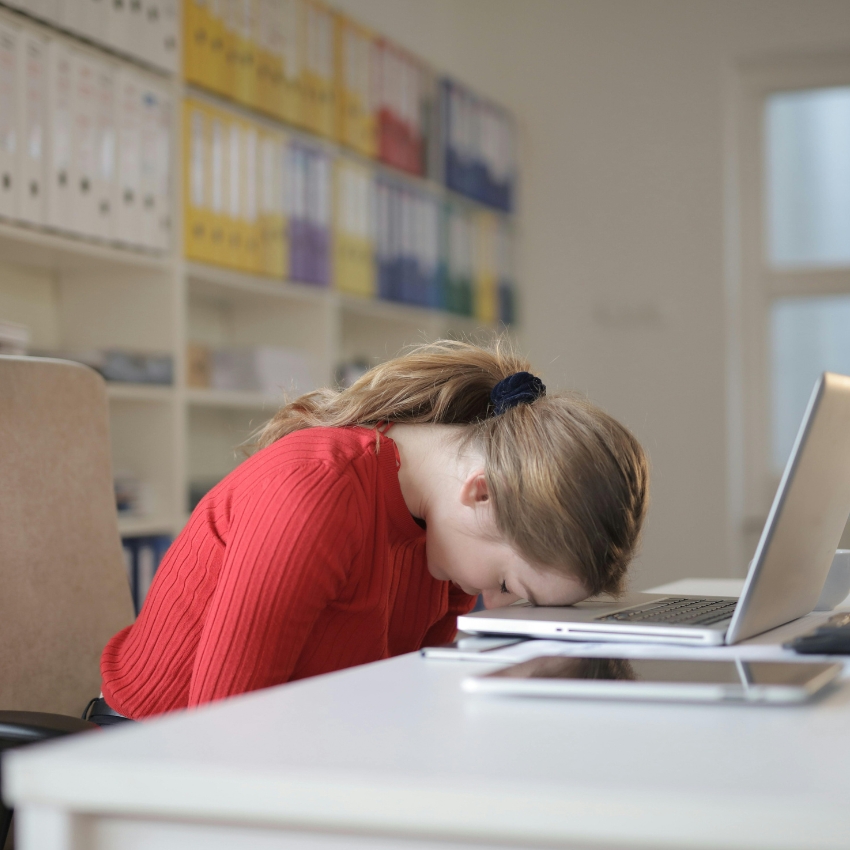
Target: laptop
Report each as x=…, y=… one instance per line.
x=786, y=575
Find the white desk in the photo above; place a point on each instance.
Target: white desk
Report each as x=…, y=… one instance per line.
x=394, y=755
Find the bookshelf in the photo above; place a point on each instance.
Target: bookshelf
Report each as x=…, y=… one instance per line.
x=75, y=293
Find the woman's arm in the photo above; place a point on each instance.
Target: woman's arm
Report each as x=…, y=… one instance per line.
x=290, y=546
x=445, y=629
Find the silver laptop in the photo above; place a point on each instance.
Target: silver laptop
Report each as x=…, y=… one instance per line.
x=785, y=577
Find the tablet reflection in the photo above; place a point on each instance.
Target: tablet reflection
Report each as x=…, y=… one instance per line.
x=559, y=667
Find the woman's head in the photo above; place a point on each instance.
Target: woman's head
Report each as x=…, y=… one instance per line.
x=568, y=484
x=569, y=487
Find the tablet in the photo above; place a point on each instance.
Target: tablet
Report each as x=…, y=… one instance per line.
x=470, y=648
x=658, y=679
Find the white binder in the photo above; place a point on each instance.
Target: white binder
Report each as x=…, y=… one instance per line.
x=128, y=219
x=45, y=10
x=92, y=17
x=155, y=166
x=233, y=154
x=9, y=174
x=32, y=125
x=161, y=237
x=84, y=143
x=60, y=176
x=119, y=35
x=105, y=175
x=136, y=26
x=154, y=32
x=148, y=166
x=169, y=36
x=70, y=17
x=150, y=36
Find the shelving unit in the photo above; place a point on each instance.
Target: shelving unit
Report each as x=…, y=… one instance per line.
x=78, y=294
x=42, y=249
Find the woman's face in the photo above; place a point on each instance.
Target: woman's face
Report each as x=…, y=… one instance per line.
x=471, y=553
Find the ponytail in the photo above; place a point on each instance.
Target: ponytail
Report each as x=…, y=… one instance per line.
x=446, y=382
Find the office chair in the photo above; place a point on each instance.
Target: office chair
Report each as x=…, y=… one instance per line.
x=63, y=585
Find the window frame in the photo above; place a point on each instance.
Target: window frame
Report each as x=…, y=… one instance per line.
x=752, y=284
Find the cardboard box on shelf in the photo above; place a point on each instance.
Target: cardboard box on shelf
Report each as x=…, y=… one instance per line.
x=198, y=366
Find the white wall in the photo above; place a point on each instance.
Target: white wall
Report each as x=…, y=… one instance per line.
x=622, y=108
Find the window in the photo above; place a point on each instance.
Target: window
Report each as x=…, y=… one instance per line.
x=807, y=336
x=807, y=169
x=789, y=292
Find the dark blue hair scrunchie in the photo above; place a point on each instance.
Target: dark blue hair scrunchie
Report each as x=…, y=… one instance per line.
x=519, y=388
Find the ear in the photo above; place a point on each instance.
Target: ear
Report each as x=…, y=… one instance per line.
x=475, y=492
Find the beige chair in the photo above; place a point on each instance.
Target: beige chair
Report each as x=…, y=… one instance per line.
x=63, y=586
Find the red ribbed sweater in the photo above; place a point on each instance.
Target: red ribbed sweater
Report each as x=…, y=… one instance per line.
x=305, y=559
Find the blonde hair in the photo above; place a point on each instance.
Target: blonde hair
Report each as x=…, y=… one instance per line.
x=569, y=484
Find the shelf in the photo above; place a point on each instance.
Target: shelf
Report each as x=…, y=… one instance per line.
x=234, y=400
x=139, y=392
x=335, y=148
x=54, y=29
x=33, y=247
x=78, y=293
x=227, y=284
x=412, y=314
x=388, y=310
x=137, y=526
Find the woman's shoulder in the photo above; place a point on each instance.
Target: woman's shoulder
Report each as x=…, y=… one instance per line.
x=332, y=446
x=312, y=458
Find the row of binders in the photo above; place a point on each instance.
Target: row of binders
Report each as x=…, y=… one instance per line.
x=411, y=246
x=145, y=30
x=261, y=201
x=84, y=141
x=302, y=63
x=142, y=556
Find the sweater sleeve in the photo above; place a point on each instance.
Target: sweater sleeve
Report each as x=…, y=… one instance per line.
x=291, y=545
x=445, y=629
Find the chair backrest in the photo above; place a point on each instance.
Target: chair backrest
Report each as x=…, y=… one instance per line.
x=63, y=586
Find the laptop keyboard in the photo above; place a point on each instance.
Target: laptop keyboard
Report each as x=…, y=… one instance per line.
x=688, y=611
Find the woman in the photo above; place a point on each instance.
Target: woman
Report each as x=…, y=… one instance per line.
x=372, y=517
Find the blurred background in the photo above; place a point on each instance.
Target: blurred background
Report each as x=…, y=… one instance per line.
x=217, y=202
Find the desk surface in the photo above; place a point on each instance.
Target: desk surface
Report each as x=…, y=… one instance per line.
x=397, y=748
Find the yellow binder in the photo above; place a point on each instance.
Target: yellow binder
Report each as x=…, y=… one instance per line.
x=273, y=244
x=196, y=41
x=318, y=71
x=245, y=82
x=293, y=48
x=355, y=65
x=196, y=185
x=251, y=256
x=485, y=268
x=353, y=229
x=232, y=40
x=218, y=166
x=266, y=23
x=233, y=192
x=214, y=72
